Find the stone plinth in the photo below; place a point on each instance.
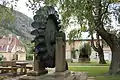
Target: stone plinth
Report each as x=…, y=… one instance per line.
x=39, y=68
x=37, y=73
x=60, y=55
x=28, y=78
x=61, y=74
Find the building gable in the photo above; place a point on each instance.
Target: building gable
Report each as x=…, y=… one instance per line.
x=9, y=44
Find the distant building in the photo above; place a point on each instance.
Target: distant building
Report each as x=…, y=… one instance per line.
x=76, y=45
x=11, y=48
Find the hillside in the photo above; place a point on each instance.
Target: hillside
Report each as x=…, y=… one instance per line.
x=21, y=26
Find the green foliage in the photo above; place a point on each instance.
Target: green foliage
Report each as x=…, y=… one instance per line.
x=1, y=57
x=29, y=56
x=51, y=2
x=29, y=46
x=83, y=28
x=73, y=35
x=85, y=49
x=29, y=49
x=6, y=12
x=114, y=1
x=6, y=16
x=82, y=9
x=73, y=51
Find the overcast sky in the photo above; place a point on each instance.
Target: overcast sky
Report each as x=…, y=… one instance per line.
x=21, y=6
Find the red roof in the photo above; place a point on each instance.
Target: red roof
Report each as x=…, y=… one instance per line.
x=8, y=43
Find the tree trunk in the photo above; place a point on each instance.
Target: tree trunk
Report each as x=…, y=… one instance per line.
x=111, y=39
x=101, y=56
x=114, y=44
x=115, y=63
x=98, y=49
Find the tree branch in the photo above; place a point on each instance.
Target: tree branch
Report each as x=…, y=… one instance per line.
x=106, y=10
x=92, y=43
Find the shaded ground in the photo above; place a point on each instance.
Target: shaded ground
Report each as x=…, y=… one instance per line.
x=7, y=76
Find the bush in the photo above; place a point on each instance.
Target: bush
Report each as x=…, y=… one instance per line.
x=85, y=52
x=30, y=56
x=1, y=57
x=73, y=53
x=85, y=49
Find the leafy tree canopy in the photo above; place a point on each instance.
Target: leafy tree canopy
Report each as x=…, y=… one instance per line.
x=83, y=10
x=6, y=8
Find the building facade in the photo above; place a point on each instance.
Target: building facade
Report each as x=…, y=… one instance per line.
x=12, y=49
x=76, y=45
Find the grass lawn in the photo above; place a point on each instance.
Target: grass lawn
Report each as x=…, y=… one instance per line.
x=97, y=72
x=92, y=63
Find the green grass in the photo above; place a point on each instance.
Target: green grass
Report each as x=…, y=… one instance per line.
x=92, y=63
x=108, y=78
x=97, y=72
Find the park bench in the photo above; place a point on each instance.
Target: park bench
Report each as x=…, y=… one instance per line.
x=24, y=65
x=8, y=66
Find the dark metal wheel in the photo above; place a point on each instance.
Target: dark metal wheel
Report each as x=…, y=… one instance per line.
x=46, y=24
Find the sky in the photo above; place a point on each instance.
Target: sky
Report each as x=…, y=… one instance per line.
x=21, y=7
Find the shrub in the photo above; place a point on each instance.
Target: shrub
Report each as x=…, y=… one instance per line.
x=73, y=53
x=85, y=49
x=30, y=56
x=1, y=57
x=85, y=52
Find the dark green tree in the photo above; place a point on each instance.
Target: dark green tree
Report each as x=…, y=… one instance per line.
x=85, y=52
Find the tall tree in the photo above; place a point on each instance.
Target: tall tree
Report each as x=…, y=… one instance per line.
x=111, y=39
x=98, y=48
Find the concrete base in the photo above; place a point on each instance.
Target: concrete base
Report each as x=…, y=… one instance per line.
x=67, y=75
x=36, y=73
x=61, y=74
